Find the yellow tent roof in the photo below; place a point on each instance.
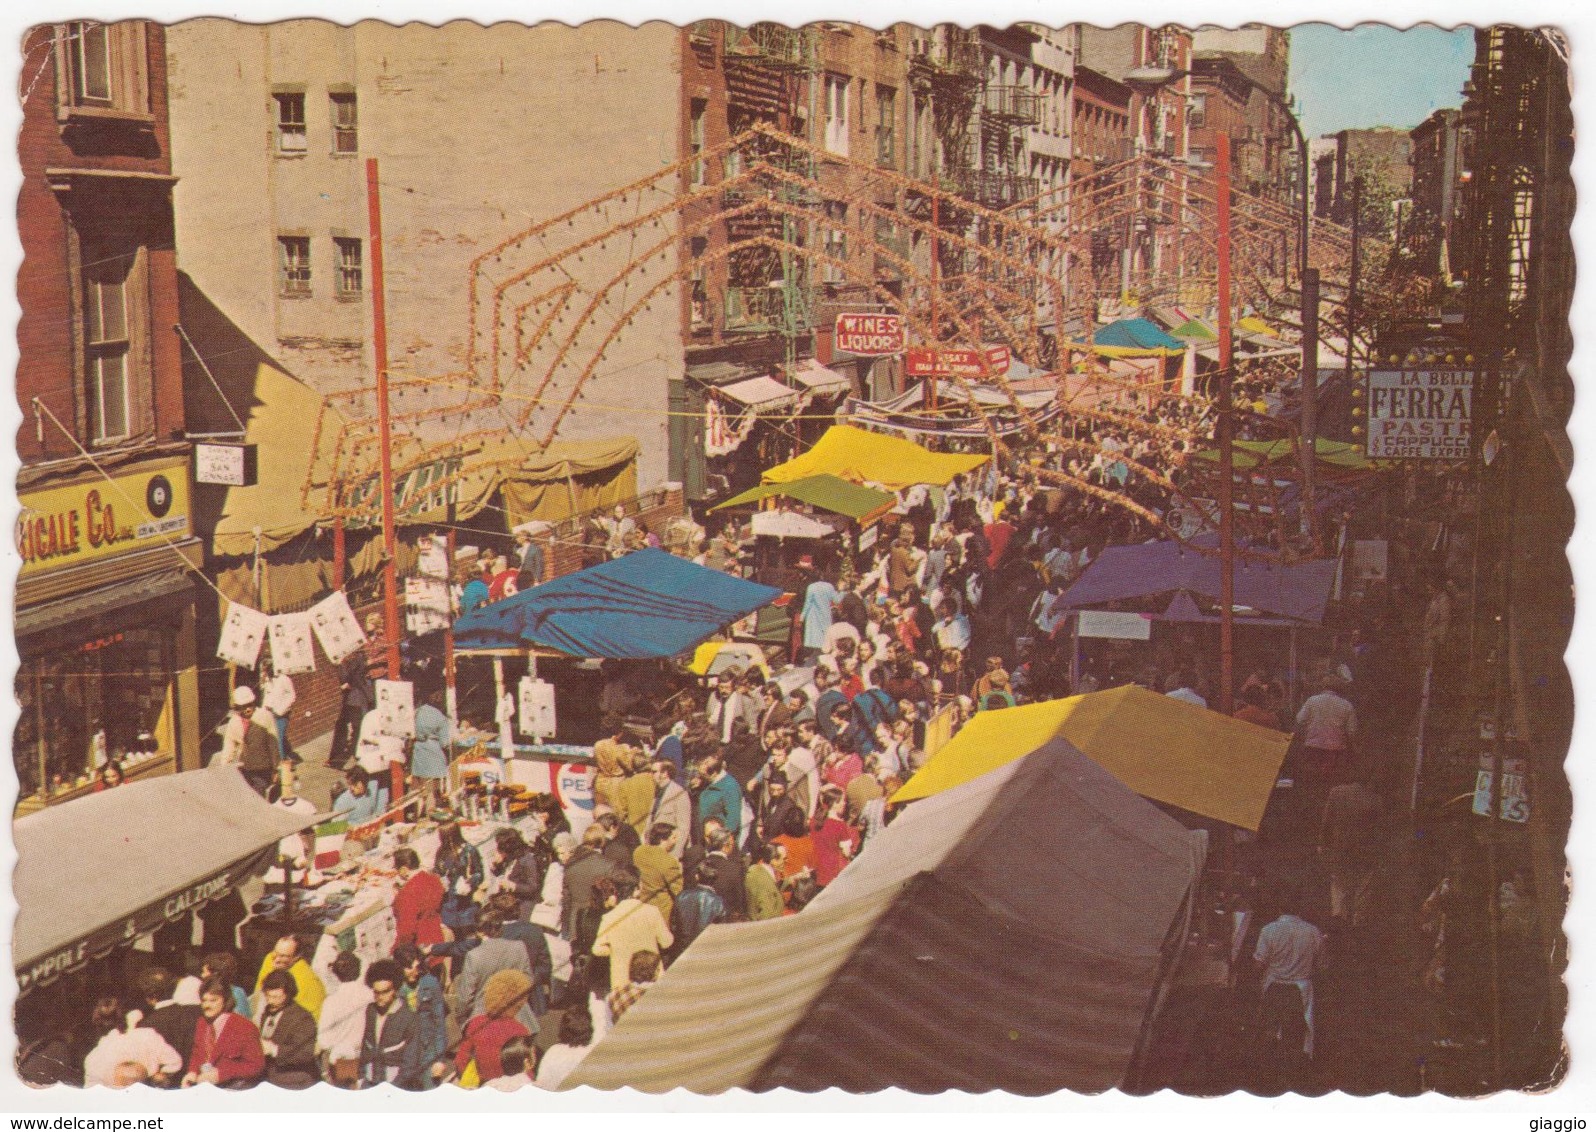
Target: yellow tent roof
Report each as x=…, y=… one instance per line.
x=1164, y=749
x=857, y=455
x=1252, y=324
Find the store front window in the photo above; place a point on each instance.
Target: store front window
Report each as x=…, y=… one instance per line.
x=106, y=698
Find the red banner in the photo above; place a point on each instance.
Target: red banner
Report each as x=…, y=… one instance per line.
x=997, y=359
x=869, y=335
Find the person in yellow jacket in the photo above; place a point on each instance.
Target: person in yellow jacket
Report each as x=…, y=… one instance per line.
x=285, y=957
x=659, y=873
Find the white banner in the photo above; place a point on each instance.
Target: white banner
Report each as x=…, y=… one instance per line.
x=292, y=650
x=336, y=626
x=1115, y=626
x=242, y=634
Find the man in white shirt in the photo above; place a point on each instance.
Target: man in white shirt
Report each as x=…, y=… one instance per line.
x=1326, y=726
x=277, y=697
x=1290, y=951
x=953, y=631
x=343, y=1019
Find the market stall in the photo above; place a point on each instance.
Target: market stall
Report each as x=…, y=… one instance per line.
x=837, y=511
x=108, y=869
x=1072, y=962
x=1165, y=749
x=861, y=456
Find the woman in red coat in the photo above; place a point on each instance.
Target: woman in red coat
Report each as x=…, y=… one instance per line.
x=418, y=904
x=835, y=841
x=227, y=1049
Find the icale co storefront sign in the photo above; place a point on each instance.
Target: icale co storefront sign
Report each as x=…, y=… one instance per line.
x=99, y=518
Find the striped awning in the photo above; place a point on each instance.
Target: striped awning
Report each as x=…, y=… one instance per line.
x=723, y=1008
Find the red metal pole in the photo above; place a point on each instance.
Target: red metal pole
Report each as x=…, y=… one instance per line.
x=379, y=339
x=1225, y=436
x=936, y=244
x=340, y=553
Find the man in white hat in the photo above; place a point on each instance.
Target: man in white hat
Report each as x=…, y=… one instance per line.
x=238, y=720
x=248, y=743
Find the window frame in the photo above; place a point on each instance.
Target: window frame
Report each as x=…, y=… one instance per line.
x=697, y=124
x=336, y=101
x=834, y=113
x=342, y=268
x=127, y=79
x=289, y=285
x=97, y=279
x=282, y=125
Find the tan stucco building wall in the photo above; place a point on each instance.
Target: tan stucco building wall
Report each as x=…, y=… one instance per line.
x=480, y=133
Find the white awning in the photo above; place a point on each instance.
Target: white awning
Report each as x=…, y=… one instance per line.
x=96, y=872
x=818, y=379
x=761, y=394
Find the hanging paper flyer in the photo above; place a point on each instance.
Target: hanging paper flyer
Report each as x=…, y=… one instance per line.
x=336, y=626
x=292, y=651
x=396, y=708
x=242, y=634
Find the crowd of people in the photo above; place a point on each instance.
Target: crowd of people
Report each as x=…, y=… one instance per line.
x=738, y=796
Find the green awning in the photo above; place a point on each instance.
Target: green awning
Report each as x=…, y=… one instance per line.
x=829, y=493
x=1194, y=328
x=1251, y=453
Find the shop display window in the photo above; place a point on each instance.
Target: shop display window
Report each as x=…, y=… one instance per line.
x=90, y=701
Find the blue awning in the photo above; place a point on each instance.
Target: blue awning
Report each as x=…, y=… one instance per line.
x=1161, y=571
x=645, y=605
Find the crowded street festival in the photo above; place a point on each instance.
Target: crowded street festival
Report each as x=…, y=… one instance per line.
x=1055, y=676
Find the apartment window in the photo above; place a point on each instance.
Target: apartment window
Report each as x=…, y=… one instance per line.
x=886, y=121
x=91, y=62
x=105, y=347
x=293, y=266
x=102, y=70
x=695, y=138
x=700, y=287
x=350, y=275
x=290, y=123
x=345, y=122
x=1197, y=115
x=835, y=243
x=836, y=115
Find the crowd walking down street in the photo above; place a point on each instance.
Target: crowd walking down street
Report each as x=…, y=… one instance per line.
x=1061, y=623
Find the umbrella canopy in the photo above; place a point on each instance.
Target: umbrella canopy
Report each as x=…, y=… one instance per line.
x=1036, y=966
x=1135, y=338
x=1160, y=569
x=1164, y=749
x=1195, y=328
x=827, y=492
x=99, y=871
x=860, y=456
x=647, y=604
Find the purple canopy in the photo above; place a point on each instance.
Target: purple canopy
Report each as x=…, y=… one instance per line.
x=1123, y=573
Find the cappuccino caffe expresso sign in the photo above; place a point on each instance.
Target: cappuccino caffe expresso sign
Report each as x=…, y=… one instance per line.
x=1420, y=414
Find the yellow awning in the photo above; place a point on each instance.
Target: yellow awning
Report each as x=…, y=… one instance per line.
x=859, y=456
x=283, y=417
x=1164, y=749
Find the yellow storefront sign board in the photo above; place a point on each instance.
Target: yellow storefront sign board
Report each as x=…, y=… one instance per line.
x=98, y=518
